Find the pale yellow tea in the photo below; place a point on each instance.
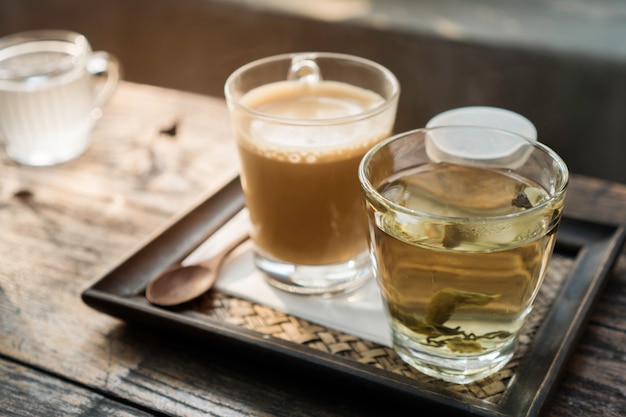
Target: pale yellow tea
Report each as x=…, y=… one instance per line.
x=462, y=287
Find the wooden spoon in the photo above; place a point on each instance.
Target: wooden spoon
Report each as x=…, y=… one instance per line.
x=184, y=283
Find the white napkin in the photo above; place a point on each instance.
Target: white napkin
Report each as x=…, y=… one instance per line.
x=359, y=313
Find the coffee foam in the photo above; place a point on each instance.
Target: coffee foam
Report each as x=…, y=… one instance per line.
x=304, y=122
x=323, y=100
x=315, y=153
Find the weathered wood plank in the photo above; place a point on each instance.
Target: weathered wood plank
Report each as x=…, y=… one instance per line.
x=25, y=392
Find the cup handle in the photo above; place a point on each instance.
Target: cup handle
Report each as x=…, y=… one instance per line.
x=304, y=69
x=104, y=64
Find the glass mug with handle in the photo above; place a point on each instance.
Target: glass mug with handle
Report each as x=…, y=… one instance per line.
x=49, y=95
x=302, y=123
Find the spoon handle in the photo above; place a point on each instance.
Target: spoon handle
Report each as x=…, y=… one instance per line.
x=232, y=233
x=233, y=241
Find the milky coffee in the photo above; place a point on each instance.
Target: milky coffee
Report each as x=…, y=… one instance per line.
x=300, y=177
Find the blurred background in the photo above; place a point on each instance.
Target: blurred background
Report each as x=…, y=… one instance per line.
x=561, y=63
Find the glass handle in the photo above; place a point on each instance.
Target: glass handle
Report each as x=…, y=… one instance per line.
x=304, y=69
x=104, y=64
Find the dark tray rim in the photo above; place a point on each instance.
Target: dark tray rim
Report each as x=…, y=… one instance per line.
x=595, y=247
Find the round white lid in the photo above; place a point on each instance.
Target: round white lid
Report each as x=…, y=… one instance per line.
x=491, y=148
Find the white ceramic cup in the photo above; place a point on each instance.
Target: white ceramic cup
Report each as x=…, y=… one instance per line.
x=49, y=96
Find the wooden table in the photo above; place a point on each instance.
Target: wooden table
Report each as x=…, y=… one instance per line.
x=155, y=153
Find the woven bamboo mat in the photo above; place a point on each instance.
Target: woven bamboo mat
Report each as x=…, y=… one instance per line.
x=285, y=326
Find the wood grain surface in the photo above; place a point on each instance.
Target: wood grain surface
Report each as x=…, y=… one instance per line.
x=155, y=154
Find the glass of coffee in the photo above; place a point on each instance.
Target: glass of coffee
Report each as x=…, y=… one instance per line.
x=463, y=222
x=302, y=123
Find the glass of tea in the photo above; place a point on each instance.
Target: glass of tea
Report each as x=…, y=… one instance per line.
x=463, y=221
x=302, y=123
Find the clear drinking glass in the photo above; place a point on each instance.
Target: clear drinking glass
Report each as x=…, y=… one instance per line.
x=302, y=123
x=463, y=222
x=49, y=96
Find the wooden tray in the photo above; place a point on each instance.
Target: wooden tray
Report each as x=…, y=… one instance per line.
x=584, y=254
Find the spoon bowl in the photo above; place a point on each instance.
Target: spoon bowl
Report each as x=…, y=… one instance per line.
x=183, y=283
